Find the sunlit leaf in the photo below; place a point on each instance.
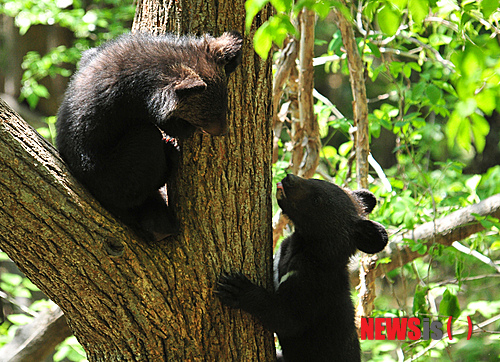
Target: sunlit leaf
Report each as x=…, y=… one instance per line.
x=480, y=129
x=262, y=40
x=418, y=10
x=19, y=319
x=488, y=7
x=466, y=108
x=486, y=101
x=389, y=20
x=282, y=5
x=252, y=8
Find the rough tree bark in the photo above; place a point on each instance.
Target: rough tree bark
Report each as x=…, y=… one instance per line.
x=129, y=300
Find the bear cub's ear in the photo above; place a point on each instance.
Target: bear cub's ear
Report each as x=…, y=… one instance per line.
x=367, y=200
x=226, y=50
x=188, y=80
x=370, y=236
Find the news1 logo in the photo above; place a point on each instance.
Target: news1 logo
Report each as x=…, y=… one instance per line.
x=406, y=328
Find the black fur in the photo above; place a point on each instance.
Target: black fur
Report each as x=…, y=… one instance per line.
x=311, y=309
x=108, y=128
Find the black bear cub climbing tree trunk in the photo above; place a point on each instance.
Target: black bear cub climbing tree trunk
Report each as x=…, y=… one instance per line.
x=129, y=300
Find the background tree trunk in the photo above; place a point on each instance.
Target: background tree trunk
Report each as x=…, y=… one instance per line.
x=129, y=300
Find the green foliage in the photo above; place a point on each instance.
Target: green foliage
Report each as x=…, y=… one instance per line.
x=458, y=64
x=277, y=27
x=13, y=289
x=37, y=67
x=16, y=286
x=71, y=350
x=71, y=14
x=49, y=131
x=101, y=20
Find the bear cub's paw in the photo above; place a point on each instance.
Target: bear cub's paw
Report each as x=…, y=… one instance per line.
x=236, y=290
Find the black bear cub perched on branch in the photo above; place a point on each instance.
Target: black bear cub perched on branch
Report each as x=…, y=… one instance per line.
x=126, y=91
x=311, y=309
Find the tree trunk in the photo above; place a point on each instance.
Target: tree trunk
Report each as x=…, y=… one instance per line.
x=127, y=299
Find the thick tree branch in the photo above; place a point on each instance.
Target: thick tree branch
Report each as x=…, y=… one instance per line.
x=453, y=227
x=68, y=245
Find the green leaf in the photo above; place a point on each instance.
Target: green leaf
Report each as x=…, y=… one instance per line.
x=449, y=305
x=488, y=7
x=472, y=61
x=417, y=91
x=375, y=129
x=276, y=29
x=374, y=49
x=433, y=93
x=388, y=20
x=282, y=6
x=263, y=41
x=41, y=91
x=464, y=138
x=452, y=128
x=386, y=123
x=12, y=279
x=418, y=10
x=335, y=44
x=385, y=260
x=370, y=8
x=29, y=285
x=329, y=151
x=480, y=129
x=345, y=148
x=447, y=87
x=466, y=108
x=252, y=8
x=19, y=319
x=396, y=68
x=408, y=67
x=486, y=101
x=419, y=301
x=439, y=39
